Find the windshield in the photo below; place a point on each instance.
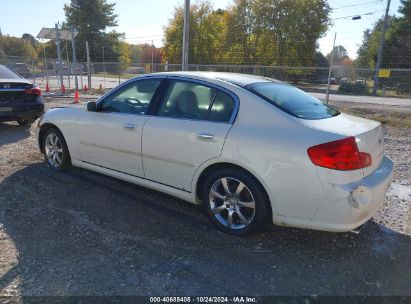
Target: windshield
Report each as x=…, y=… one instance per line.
x=5, y=73
x=292, y=100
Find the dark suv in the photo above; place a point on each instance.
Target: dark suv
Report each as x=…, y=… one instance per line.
x=20, y=100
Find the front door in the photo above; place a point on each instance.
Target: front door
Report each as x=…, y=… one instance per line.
x=190, y=127
x=111, y=137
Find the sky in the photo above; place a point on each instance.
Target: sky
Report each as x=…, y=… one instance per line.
x=143, y=21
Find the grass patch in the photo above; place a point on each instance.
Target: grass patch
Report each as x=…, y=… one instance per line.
x=109, y=75
x=393, y=118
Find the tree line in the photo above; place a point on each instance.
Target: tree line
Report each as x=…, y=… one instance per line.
x=397, y=48
x=254, y=32
x=92, y=19
x=268, y=32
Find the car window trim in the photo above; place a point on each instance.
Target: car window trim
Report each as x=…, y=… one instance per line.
x=204, y=83
x=211, y=104
x=126, y=83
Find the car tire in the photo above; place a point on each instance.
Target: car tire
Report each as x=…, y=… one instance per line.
x=25, y=122
x=55, y=150
x=231, y=193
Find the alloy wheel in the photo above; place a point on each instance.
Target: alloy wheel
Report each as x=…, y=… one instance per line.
x=232, y=203
x=54, y=150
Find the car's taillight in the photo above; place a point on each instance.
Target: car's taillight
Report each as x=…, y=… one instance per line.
x=33, y=91
x=341, y=154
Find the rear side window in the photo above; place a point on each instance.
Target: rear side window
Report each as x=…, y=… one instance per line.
x=5, y=73
x=292, y=100
x=222, y=109
x=187, y=100
x=191, y=100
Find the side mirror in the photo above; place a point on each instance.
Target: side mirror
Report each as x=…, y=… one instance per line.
x=92, y=106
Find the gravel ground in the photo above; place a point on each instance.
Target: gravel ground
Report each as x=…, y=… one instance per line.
x=81, y=233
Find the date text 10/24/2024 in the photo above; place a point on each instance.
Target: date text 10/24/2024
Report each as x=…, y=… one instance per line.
x=205, y=299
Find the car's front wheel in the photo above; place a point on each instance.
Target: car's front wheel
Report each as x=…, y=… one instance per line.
x=55, y=150
x=235, y=201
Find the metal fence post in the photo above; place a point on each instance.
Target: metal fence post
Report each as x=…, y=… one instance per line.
x=327, y=95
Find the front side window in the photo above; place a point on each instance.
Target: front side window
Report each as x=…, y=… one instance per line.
x=135, y=98
x=191, y=100
x=292, y=100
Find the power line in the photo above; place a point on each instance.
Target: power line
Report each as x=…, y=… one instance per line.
x=358, y=4
x=148, y=37
x=364, y=14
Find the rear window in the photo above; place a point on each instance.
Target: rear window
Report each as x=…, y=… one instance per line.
x=292, y=100
x=5, y=73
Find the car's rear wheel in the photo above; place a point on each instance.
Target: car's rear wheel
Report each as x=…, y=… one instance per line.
x=235, y=202
x=55, y=150
x=25, y=121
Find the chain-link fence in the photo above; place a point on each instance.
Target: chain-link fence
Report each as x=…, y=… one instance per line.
x=346, y=83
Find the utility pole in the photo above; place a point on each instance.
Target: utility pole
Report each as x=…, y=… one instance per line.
x=186, y=36
x=327, y=95
x=380, y=48
x=45, y=65
x=104, y=63
x=88, y=66
x=59, y=55
x=152, y=56
x=73, y=46
x=1, y=45
x=68, y=67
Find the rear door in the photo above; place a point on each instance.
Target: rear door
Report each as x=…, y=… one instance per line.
x=111, y=137
x=191, y=124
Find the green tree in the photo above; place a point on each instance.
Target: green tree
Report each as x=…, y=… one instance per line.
x=30, y=39
x=91, y=18
x=2, y=54
x=206, y=27
x=13, y=46
x=250, y=32
x=340, y=54
x=294, y=28
x=243, y=33
x=320, y=60
x=124, y=52
x=397, y=46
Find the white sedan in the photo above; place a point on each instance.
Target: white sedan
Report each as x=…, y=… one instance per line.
x=252, y=149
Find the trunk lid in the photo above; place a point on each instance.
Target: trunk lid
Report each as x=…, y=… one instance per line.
x=12, y=90
x=369, y=135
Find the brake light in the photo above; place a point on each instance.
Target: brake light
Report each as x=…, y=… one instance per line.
x=33, y=91
x=341, y=154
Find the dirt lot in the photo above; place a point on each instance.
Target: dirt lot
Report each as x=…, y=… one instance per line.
x=81, y=233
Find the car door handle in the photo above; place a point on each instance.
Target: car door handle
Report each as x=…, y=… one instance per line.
x=205, y=137
x=129, y=126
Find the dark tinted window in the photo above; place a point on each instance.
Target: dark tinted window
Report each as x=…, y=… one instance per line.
x=292, y=100
x=185, y=99
x=222, y=109
x=135, y=98
x=5, y=73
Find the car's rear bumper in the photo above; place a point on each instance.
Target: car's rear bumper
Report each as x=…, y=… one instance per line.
x=346, y=207
x=10, y=112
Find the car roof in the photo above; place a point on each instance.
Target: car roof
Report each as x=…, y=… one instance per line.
x=241, y=80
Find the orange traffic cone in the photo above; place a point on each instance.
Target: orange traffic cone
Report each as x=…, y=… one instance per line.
x=63, y=89
x=47, y=87
x=85, y=89
x=76, y=98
